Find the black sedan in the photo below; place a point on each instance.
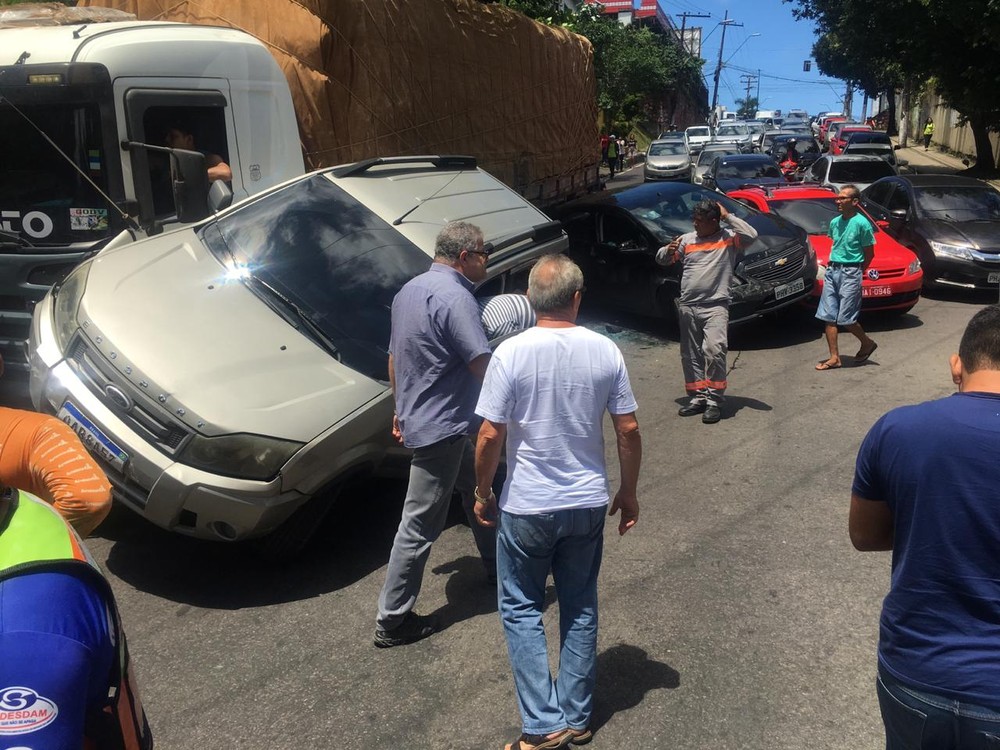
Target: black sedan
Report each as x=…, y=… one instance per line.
x=733, y=172
x=951, y=223
x=614, y=239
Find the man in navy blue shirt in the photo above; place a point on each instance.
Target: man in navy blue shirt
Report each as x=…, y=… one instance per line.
x=438, y=355
x=927, y=487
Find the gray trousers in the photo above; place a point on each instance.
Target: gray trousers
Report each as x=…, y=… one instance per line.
x=435, y=472
x=704, y=346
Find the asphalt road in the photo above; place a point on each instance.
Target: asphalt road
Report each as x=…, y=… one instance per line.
x=735, y=615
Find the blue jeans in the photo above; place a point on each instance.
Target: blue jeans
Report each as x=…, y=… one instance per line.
x=840, y=300
x=568, y=543
x=915, y=720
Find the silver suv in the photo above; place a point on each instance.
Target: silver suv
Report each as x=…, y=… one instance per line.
x=229, y=372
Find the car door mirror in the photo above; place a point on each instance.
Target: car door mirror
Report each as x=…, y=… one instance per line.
x=902, y=163
x=708, y=181
x=897, y=216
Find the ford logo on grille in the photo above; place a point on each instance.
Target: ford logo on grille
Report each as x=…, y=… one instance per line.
x=118, y=397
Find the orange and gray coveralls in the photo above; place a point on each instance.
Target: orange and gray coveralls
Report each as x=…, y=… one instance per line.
x=708, y=264
x=66, y=681
x=43, y=456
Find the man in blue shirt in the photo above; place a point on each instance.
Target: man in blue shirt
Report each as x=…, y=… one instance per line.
x=852, y=252
x=438, y=355
x=927, y=487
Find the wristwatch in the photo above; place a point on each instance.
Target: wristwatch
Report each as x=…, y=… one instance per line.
x=479, y=498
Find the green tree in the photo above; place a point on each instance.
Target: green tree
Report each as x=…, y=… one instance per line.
x=747, y=108
x=886, y=45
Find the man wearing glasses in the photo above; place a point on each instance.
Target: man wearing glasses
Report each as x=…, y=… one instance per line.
x=852, y=252
x=438, y=353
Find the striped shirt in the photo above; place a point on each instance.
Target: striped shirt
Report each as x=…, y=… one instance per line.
x=43, y=456
x=709, y=261
x=504, y=314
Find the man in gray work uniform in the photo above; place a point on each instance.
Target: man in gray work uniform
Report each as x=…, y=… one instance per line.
x=709, y=256
x=438, y=355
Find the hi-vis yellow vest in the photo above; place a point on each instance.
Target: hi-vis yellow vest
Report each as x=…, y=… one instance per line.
x=34, y=538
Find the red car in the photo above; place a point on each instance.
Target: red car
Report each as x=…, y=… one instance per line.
x=825, y=127
x=837, y=144
x=892, y=281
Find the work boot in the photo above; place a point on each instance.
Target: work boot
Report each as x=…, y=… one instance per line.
x=692, y=408
x=712, y=414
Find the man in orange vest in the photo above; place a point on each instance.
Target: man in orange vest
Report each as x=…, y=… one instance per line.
x=42, y=455
x=65, y=677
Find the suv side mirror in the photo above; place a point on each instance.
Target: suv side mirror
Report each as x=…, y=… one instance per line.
x=897, y=215
x=189, y=179
x=708, y=181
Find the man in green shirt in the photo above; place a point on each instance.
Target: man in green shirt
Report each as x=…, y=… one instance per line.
x=852, y=252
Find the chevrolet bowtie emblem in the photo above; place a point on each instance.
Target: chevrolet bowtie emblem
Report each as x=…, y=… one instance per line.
x=781, y=261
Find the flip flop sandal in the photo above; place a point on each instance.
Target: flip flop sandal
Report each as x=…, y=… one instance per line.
x=540, y=742
x=582, y=738
x=827, y=366
x=862, y=355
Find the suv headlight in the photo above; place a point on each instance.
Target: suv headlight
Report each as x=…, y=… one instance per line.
x=951, y=251
x=242, y=456
x=913, y=267
x=66, y=303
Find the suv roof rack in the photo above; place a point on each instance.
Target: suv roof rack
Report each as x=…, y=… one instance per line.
x=437, y=161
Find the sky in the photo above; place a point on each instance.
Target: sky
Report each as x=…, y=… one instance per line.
x=777, y=53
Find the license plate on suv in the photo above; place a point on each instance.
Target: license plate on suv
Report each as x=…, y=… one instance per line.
x=993, y=278
x=786, y=290
x=91, y=436
x=876, y=291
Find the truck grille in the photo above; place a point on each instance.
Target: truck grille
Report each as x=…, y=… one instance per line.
x=780, y=267
x=144, y=416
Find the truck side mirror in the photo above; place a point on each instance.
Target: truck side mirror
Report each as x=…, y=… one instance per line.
x=219, y=196
x=189, y=178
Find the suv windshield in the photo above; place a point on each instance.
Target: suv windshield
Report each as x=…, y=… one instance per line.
x=748, y=169
x=337, y=262
x=42, y=197
x=959, y=203
x=813, y=215
x=859, y=171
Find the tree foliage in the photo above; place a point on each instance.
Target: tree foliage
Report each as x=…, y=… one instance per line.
x=747, y=108
x=880, y=46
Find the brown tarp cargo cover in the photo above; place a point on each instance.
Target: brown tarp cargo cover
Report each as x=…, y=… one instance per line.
x=397, y=77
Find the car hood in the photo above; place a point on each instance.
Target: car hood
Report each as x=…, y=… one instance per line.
x=984, y=235
x=735, y=183
x=673, y=161
x=213, y=354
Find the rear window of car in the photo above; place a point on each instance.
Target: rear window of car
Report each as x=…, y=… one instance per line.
x=698, y=132
x=730, y=129
x=859, y=171
x=328, y=255
x=666, y=149
x=748, y=169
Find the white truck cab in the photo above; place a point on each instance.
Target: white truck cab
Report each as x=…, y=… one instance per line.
x=104, y=95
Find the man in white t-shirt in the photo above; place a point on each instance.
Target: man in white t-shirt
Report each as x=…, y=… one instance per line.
x=546, y=391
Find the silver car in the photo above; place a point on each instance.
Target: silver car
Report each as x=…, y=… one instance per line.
x=666, y=160
x=229, y=372
x=837, y=171
x=709, y=153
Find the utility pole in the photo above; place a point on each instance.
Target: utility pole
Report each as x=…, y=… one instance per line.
x=758, y=87
x=718, y=66
x=848, y=99
x=749, y=79
x=684, y=17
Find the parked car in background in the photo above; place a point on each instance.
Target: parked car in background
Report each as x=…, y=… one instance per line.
x=951, y=223
x=881, y=150
x=841, y=135
x=709, y=154
x=667, y=160
x=675, y=135
x=736, y=133
x=893, y=279
x=837, y=171
x=820, y=119
x=697, y=137
x=824, y=129
x=762, y=143
x=797, y=114
x=730, y=172
x=614, y=239
x=230, y=375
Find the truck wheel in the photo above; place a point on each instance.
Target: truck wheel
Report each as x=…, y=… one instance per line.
x=289, y=540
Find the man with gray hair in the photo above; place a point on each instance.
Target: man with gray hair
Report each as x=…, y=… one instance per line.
x=438, y=354
x=545, y=393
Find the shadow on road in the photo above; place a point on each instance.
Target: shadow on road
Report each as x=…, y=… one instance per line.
x=963, y=296
x=624, y=675
x=354, y=540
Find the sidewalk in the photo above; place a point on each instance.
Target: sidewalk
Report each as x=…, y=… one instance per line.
x=933, y=161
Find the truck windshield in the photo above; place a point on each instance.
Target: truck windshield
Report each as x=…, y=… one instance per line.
x=330, y=257
x=42, y=197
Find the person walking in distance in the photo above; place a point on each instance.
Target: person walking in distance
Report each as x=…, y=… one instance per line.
x=928, y=132
x=927, y=487
x=840, y=303
x=545, y=395
x=708, y=255
x=438, y=354
x=612, y=155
